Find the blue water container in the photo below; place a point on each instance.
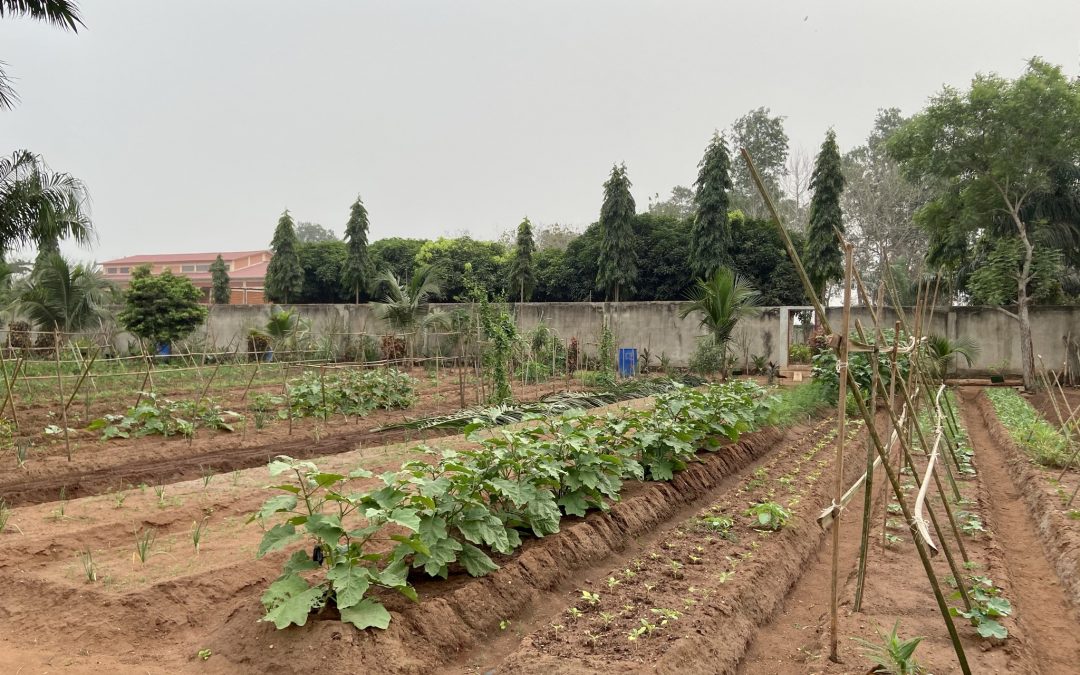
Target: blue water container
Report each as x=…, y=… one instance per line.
x=164, y=349
x=627, y=361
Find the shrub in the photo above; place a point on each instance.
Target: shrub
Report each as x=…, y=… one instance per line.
x=799, y=353
x=708, y=357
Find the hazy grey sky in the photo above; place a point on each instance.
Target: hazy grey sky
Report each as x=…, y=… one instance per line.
x=195, y=123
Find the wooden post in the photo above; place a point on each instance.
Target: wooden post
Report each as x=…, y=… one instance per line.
x=285, y=389
x=8, y=384
x=60, y=388
x=78, y=384
x=838, y=488
x=868, y=490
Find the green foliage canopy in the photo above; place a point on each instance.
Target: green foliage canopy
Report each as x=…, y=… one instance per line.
x=161, y=308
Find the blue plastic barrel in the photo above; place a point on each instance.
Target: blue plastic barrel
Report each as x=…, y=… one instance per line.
x=627, y=362
x=164, y=349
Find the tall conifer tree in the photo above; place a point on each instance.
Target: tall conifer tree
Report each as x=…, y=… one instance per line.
x=357, y=273
x=219, y=281
x=284, y=275
x=822, y=256
x=710, y=235
x=522, y=274
x=617, y=265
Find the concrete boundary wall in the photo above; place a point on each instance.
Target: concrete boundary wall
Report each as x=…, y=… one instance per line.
x=656, y=326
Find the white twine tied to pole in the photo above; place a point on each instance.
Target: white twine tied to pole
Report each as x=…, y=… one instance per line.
x=917, y=520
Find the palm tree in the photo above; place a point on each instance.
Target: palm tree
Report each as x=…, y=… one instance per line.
x=60, y=297
x=403, y=306
x=40, y=206
x=942, y=350
x=63, y=14
x=723, y=300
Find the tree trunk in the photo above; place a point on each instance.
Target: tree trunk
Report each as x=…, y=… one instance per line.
x=1027, y=356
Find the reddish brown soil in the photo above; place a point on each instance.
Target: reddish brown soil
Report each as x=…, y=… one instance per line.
x=897, y=590
x=155, y=616
x=100, y=466
x=718, y=586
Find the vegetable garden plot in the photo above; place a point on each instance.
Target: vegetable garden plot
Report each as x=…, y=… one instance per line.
x=100, y=466
x=179, y=602
x=1012, y=617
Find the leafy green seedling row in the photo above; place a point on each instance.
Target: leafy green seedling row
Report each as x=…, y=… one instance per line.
x=470, y=503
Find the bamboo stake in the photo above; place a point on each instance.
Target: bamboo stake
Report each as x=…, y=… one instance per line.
x=251, y=379
x=838, y=488
x=60, y=388
x=868, y=492
x=79, y=382
x=7, y=388
x=892, y=445
x=285, y=388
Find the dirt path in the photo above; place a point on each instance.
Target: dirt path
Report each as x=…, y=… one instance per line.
x=1037, y=594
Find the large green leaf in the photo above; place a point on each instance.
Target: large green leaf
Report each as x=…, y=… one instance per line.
x=274, y=505
x=290, y=600
x=350, y=582
x=475, y=561
x=366, y=614
x=277, y=537
x=327, y=528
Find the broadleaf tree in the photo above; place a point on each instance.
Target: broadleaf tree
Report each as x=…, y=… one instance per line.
x=993, y=150
x=161, y=308
x=284, y=275
x=358, y=272
x=763, y=136
x=617, y=265
x=821, y=253
x=522, y=272
x=220, y=292
x=710, y=234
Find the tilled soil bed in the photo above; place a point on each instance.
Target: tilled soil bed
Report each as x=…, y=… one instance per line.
x=691, y=599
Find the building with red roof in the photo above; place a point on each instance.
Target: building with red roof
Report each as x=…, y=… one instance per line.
x=247, y=271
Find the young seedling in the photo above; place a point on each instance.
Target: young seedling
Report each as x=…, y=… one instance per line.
x=769, y=515
x=607, y=618
x=612, y=582
x=676, y=566
x=5, y=514
x=89, y=566
x=592, y=638
x=144, y=541
x=198, y=528
x=723, y=577
x=574, y=613
x=649, y=587
x=504, y=624
x=22, y=452
x=159, y=490
x=207, y=476
x=591, y=598
x=555, y=627
x=205, y=654
x=61, y=511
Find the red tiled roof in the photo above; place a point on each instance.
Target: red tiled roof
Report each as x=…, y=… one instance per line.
x=181, y=257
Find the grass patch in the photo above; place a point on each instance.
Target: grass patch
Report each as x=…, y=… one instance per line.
x=799, y=403
x=1042, y=441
